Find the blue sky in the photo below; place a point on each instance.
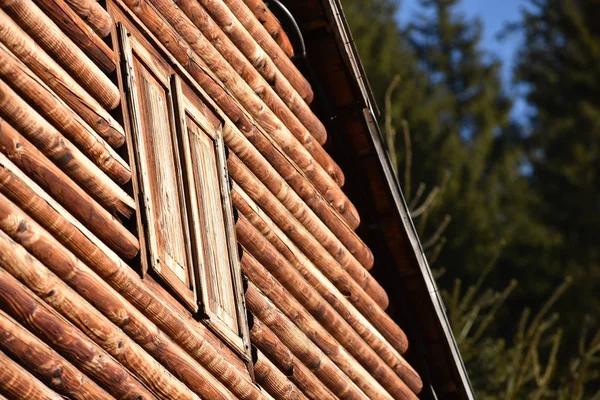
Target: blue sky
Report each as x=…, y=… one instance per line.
x=494, y=15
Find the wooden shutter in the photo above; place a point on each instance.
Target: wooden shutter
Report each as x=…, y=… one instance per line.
x=213, y=230
x=156, y=152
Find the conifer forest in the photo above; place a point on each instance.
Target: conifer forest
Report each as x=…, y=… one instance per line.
x=508, y=209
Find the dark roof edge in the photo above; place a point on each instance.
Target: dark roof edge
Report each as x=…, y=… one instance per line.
x=370, y=113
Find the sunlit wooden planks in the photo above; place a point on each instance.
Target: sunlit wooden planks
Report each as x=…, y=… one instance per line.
x=271, y=24
x=51, y=367
x=18, y=383
x=81, y=33
x=61, y=83
x=49, y=36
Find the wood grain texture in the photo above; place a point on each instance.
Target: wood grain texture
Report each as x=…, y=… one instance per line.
x=45, y=32
x=271, y=24
x=274, y=381
x=64, y=154
x=301, y=346
x=304, y=239
x=80, y=33
x=93, y=14
x=329, y=239
x=264, y=39
x=31, y=161
x=282, y=357
x=17, y=383
x=56, y=372
x=183, y=53
x=307, y=153
x=31, y=312
x=234, y=42
x=105, y=312
x=332, y=295
x=22, y=229
x=312, y=314
x=191, y=336
x=292, y=188
x=54, y=110
x=61, y=83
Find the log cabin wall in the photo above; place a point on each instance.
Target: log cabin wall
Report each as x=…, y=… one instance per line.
x=82, y=316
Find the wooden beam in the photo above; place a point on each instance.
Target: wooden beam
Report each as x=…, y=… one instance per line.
x=282, y=357
x=307, y=309
x=37, y=316
x=57, y=79
x=190, y=335
x=264, y=39
x=257, y=151
x=25, y=156
x=326, y=259
x=271, y=24
x=93, y=14
x=66, y=156
x=234, y=42
x=333, y=234
x=332, y=295
x=103, y=314
x=45, y=32
x=299, y=145
x=16, y=382
x=80, y=33
x=47, y=364
x=306, y=351
x=54, y=110
x=274, y=381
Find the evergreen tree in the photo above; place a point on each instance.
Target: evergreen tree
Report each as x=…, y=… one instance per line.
x=559, y=66
x=487, y=195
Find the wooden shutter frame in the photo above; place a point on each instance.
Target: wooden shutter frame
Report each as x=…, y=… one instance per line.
x=238, y=340
x=241, y=342
x=141, y=179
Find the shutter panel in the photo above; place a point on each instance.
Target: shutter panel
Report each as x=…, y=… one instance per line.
x=156, y=154
x=215, y=247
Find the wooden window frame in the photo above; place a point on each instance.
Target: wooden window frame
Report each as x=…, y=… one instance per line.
x=184, y=97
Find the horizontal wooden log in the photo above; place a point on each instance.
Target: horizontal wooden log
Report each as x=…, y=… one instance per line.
x=296, y=297
x=190, y=335
x=102, y=310
x=258, y=152
x=31, y=312
x=80, y=33
x=25, y=156
x=49, y=36
x=330, y=293
x=16, y=382
x=336, y=236
x=301, y=346
x=54, y=110
x=271, y=24
x=288, y=363
x=262, y=37
x=320, y=323
x=94, y=15
x=234, y=42
x=199, y=72
x=298, y=144
x=56, y=372
x=53, y=75
x=274, y=381
x=303, y=238
x=345, y=284
x=64, y=154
